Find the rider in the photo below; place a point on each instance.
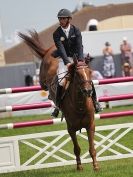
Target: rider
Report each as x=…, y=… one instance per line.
x=68, y=41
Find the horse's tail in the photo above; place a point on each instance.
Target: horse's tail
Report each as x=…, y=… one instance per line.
x=33, y=41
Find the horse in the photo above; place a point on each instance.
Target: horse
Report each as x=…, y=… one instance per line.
x=77, y=97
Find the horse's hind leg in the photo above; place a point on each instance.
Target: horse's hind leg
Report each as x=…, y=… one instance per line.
x=77, y=149
x=92, y=150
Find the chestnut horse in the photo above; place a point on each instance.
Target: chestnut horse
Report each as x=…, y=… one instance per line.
x=76, y=105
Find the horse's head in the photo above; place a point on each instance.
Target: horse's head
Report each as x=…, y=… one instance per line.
x=82, y=76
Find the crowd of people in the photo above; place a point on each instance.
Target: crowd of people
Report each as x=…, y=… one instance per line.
x=126, y=54
x=109, y=69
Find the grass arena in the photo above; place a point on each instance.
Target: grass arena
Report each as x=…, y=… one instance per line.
x=42, y=147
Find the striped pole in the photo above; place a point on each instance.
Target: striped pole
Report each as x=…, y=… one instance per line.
x=58, y=120
x=114, y=114
x=26, y=107
x=115, y=97
x=112, y=80
x=20, y=89
x=31, y=123
x=36, y=88
x=51, y=104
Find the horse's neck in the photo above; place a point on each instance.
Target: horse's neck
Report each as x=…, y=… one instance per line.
x=75, y=97
x=75, y=91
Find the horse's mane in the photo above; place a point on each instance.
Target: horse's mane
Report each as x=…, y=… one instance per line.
x=33, y=41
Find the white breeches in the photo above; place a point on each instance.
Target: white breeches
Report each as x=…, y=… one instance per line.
x=62, y=70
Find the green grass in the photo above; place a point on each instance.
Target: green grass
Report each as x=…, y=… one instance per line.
x=115, y=168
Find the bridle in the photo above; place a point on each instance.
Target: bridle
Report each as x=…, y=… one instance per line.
x=87, y=92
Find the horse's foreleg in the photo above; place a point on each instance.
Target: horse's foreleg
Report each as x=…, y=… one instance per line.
x=92, y=150
x=77, y=149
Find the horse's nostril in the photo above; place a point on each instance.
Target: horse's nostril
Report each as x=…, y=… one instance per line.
x=85, y=90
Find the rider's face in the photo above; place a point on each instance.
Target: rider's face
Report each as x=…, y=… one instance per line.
x=64, y=21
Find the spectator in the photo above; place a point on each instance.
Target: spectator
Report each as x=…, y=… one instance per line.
x=127, y=70
x=96, y=75
x=92, y=25
x=126, y=52
x=28, y=80
x=108, y=64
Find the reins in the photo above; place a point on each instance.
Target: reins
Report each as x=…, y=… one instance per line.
x=85, y=92
x=58, y=80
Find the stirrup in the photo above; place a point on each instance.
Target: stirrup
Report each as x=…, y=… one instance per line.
x=55, y=113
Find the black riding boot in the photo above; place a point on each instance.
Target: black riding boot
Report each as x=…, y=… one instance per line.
x=58, y=100
x=97, y=105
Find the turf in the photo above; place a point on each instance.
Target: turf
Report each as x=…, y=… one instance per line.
x=113, y=168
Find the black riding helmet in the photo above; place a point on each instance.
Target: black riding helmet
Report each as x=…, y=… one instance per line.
x=64, y=13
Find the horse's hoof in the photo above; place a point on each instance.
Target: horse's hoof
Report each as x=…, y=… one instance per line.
x=96, y=167
x=79, y=168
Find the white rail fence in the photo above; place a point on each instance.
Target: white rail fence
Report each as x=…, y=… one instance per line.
x=52, y=149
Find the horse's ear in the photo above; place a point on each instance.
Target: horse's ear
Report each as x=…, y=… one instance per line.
x=88, y=59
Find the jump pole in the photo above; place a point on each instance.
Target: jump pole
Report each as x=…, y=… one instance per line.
x=113, y=80
x=51, y=104
x=37, y=88
x=27, y=106
x=20, y=89
x=115, y=97
x=51, y=121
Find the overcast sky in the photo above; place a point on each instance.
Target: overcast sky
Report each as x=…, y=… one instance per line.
x=38, y=14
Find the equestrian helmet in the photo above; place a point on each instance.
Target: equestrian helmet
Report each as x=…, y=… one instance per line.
x=64, y=13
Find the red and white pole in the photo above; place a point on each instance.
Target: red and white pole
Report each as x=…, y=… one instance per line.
x=58, y=120
x=36, y=88
x=51, y=104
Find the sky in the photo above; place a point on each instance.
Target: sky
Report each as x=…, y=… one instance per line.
x=20, y=15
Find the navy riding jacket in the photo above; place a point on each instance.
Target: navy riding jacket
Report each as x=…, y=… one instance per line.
x=67, y=47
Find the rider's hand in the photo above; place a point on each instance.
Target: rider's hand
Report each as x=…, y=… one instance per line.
x=68, y=65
